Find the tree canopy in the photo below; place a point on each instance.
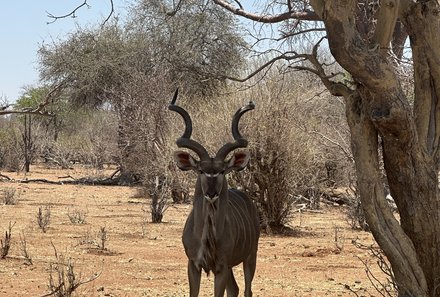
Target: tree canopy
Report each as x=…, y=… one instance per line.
x=195, y=47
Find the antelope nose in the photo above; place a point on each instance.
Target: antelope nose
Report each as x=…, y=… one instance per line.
x=211, y=196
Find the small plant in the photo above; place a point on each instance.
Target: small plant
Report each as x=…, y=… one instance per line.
x=63, y=280
x=24, y=250
x=339, y=238
x=43, y=217
x=159, y=199
x=86, y=239
x=6, y=244
x=102, y=238
x=95, y=241
x=9, y=197
x=387, y=287
x=77, y=216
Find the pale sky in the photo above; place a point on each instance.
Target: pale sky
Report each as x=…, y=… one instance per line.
x=23, y=26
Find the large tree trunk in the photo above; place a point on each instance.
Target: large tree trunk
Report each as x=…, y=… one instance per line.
x=421, y=221
x=396, y=244
x=378, y=108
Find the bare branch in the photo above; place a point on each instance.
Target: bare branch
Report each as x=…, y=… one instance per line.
x=306, y=15
x=335, y=88
x=398, y=42
x=4, y=176
x=40, y=109
x=4, y=104
x=67, y=281
x=72, y=14
x=296, y=33
x=343, y=147
x=285, y=56
x=175, y=10
x=241, y=6
x=112, y=10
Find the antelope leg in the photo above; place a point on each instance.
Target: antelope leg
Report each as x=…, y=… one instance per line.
x=220, y=281
x=231, y=285
x=249, y=271
x=194, y=279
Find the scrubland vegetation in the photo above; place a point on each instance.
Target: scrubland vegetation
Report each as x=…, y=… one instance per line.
x=342, y=119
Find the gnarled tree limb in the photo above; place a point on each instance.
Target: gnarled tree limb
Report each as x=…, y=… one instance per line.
x=305, y=15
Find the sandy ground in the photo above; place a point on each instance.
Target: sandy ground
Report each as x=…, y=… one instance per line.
x=144, y=259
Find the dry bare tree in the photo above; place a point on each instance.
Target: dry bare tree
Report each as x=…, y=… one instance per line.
x=367, y=39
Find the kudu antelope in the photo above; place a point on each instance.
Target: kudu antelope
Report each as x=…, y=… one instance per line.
x=222, y=229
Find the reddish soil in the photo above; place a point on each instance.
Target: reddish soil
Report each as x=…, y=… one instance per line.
x=144, y=259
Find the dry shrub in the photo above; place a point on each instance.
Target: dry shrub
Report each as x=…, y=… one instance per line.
x=102, y=237
x=77, y=216
x=43, y=217
x=144, y=144
x=11, y=155
x=9, y=196
x=286, y=161
x=63, y=277
x=5, y=244
x=24, y=249
x=159, y=198
x=59, y=154
x=87, y=137
x=384, y=282
x=97, y=241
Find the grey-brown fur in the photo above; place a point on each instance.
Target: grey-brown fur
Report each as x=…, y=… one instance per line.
x=220, y=236
x=222, y=229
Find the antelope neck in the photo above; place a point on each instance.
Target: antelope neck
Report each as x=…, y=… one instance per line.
x=209, y=225
x=215, y=210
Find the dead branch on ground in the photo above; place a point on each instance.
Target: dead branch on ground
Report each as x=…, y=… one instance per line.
x=113, y=180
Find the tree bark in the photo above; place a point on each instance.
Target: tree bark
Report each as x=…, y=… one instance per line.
x=422, y=23
x=385, y=228
x=421, y=221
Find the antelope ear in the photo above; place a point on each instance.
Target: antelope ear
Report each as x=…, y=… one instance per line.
x=238, y=161
x=185, y=161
